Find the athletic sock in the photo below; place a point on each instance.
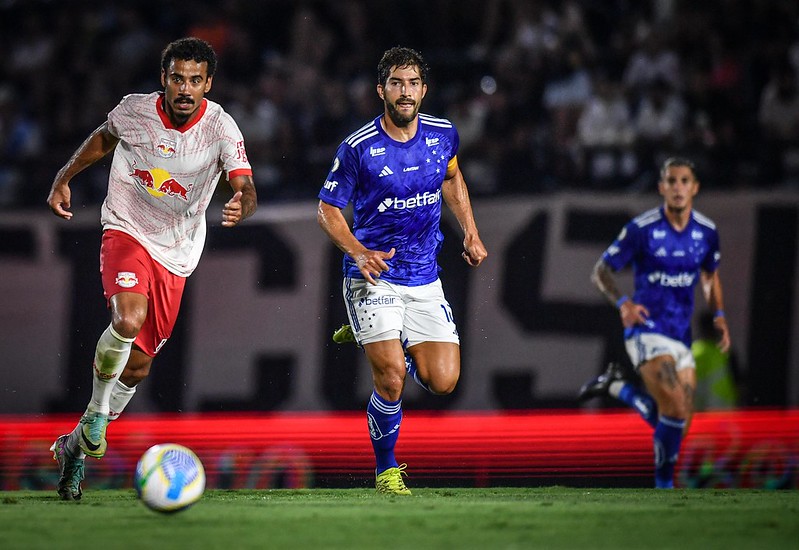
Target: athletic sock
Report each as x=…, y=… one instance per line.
x=384, y=418
x=120, y=397
x=637, y=399
x=71, y=443
x=110, y=356
x=410, y=368
x=668, y=438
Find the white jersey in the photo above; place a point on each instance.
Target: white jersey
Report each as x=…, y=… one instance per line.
x=163, y=178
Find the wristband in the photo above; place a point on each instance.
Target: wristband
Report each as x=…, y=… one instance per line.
x=719, y=313
x=621, y=300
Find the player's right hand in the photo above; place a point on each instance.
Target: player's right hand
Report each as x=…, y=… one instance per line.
x=633, y=314
x=371, y=263
x=59, y=201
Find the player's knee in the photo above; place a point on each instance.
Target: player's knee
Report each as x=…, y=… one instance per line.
x=127, y=325
x=443, y=384
x=674, y=404
x=390, y=386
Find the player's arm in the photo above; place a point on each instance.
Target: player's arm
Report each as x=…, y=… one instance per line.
x=711, y=288
x=243, y=203
x=371, y=263
x=604, y=279
x=456, y=195
x=99, y=143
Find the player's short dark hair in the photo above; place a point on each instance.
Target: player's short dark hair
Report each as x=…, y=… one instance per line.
x=400, y=57
x=190, y=48
x=676, y=161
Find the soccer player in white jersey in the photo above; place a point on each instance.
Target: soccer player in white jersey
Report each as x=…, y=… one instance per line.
x=671, y=249
x=170, y=150
x=395, y=171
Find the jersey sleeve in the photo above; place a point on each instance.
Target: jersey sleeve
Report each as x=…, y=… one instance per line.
x=342, y=179
x=620, y=253
x=115, y=117
x=233, y=155
x=456, y=142
x=713, y=257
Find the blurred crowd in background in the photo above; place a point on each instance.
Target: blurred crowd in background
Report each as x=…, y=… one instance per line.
x=547, y=95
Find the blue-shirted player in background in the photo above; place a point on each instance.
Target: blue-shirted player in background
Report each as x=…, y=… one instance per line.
x=395, y=171
x=671, y=249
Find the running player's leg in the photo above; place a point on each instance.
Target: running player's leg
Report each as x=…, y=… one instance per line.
x=437, y=365
x=114, y=348
x=431, y=339
x=376, y=314
x=635, y=397
x=112, y=353
x=166, y=293
x=384, y=411
x=663, y=383
x=136, y=370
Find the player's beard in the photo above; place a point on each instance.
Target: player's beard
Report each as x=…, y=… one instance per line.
x=400, y=120
x=179, y=116
x=676, y=209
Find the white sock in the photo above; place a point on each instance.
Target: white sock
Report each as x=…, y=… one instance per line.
x=615, y=388
x=120, y=397
x=110, y=357
x=72, y=443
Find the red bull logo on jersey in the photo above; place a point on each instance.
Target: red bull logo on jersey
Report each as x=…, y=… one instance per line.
x=126, y=279
x=159, y=182
x=421, y=199
x=166, y=148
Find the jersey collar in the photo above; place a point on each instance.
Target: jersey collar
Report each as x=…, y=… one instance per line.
x=401, y=144
x=159, y=107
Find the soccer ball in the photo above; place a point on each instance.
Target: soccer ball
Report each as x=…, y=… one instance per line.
x=169, y=478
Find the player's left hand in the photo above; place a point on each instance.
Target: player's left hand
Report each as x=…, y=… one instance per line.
x=231, y=213
x=474, y=251
x=724, y=333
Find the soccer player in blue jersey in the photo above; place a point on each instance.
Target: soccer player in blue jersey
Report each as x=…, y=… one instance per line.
x=395, y=171
x=671, y=249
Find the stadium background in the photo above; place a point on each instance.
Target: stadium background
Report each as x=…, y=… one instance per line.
x=520, y=79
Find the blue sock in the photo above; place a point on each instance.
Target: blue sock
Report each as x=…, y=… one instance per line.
x=410, y=368
x=668, y=438
x=384, y=418
x=641, y=401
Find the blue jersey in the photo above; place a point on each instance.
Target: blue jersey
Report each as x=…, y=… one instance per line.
x=666, y=266
x=395, y=190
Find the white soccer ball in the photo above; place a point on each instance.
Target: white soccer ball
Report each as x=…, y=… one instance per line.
x=169, y=478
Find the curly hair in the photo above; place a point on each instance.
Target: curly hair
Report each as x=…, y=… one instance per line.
x=400, y=57
x=192, y=48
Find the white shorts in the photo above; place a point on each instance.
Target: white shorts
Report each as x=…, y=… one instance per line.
x=644, y=347
x=385, y=311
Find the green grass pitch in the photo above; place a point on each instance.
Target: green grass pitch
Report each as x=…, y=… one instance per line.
x=493, y=518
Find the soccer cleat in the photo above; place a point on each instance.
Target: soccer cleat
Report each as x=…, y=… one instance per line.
x=390, y=481
x=92, y=434
x=344, y=335
x=598, y=386
x=70, y=470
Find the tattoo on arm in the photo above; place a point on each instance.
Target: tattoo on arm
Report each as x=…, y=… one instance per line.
x=603, y=279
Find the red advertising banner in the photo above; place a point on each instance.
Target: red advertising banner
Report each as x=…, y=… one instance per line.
x=746, y=449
